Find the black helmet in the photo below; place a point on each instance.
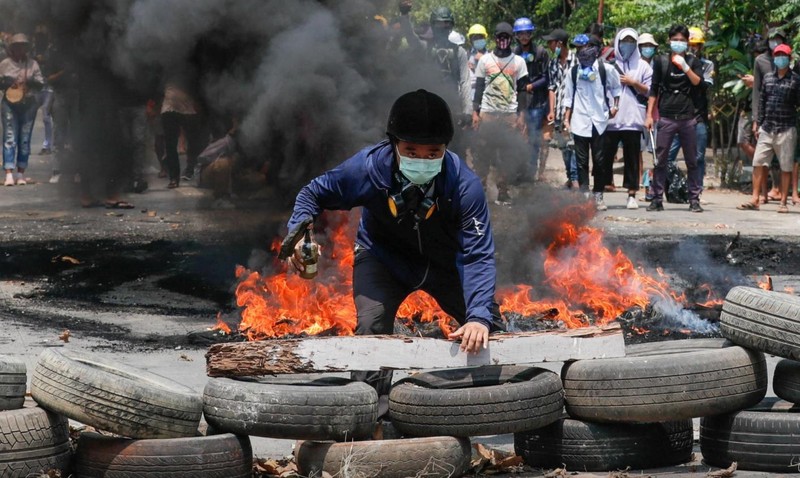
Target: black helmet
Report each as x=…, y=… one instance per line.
x=442, y=14
x=420, y=117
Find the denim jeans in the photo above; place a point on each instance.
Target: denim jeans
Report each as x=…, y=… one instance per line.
x=535, y=118
x=17, y=128
x=46, y=97
x=702, y=142
x=570, y=163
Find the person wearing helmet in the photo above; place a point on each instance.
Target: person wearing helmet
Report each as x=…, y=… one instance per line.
x=424, y=224
x=697, y=40
x=587, y=111
x=451, y=59
x=476, y=35
x=501, y=76
x=535, y=99
x=21, y=78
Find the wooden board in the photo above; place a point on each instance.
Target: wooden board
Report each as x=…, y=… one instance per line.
x=374, y=352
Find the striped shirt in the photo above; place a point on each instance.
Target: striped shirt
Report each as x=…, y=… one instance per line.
x=557, y=79
x=778, y=103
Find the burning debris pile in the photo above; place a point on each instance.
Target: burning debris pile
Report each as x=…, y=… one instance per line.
x=585, y=283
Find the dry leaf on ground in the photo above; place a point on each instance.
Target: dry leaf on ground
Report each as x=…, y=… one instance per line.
x=730, y=471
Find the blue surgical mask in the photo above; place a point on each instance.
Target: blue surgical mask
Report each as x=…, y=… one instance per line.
x=678, y=46
x=626, y=50
x=773, y=44
x=479, y=45
x=557, y=52
x=781, y=62
x=419, y=171
x=648, y=51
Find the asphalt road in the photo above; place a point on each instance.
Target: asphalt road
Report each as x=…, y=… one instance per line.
x=135, y=317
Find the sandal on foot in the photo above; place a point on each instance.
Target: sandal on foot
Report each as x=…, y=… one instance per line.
x=119, y=205
x=783, y=209
x=748, y=206
x=172, y=185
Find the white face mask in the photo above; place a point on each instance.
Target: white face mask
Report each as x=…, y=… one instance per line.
x=419, y=171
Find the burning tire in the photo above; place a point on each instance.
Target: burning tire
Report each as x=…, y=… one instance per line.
x=763, y=438
x=431, y=456
x=476, y=401
x=33, y=440
x=685, y=382
x=786, y=381
x=601, y=447
x=762, y=320
x=323, y=409
x=13, y=380
x=114, y=397
x=228, y=456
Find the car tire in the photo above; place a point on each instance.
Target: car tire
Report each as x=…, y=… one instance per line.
x=33, y=441
x=115, y=397
x=685, y=382
x=762, y=438
x=13, y=383
x=321, y=409
x=786, y=380
x=603, y=447
x=762, y=320
x=440, y=457
x=218, y=456
x=466, y=402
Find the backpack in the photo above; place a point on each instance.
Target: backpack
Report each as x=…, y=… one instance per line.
x=603, y=76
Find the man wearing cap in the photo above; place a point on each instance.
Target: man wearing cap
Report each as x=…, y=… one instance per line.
x=424, y=226
x=587, y=111
x=775, y=126
x=564, y=59
x=500, y=75
x=21, y=78
x=647, y=47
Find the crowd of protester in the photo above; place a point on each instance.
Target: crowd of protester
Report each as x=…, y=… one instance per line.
x=583, y=94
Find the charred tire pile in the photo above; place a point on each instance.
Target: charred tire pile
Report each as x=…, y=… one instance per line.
x=479, y=401
x=219, y=456
x=440, y=457
x=599, y=447
x=288, y=407
x=114, y=397
x=761, y=438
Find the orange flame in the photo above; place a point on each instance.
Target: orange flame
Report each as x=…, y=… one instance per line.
x=766, y=284
x=585, y=283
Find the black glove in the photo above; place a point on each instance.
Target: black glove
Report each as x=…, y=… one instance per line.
x=293, y=237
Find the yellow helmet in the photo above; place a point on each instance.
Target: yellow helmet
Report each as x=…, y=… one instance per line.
x=696, y=35
x=477, y=30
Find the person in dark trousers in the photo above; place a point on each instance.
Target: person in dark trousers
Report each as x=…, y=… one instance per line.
x=424, y=226
x=535, y=99
x=675, y=80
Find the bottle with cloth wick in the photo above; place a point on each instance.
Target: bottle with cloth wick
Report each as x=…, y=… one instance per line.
x=308, y=256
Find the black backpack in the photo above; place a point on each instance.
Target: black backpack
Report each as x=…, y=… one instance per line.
x=603, y=76
x=446, y=58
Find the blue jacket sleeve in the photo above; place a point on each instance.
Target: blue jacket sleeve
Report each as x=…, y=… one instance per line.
x=475, y=260
x=342, y=188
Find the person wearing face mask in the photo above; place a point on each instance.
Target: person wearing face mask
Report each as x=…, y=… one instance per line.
x=476, y=35
x=21, y=78
x=675, y=79
x=501, y=76
x=424, y=226
x=647, y=49
x=451, y=59
x=563, y=61
x=535, y=97
x=775, y=126
x=697, y=40
x=628, y=124
x=588, y=111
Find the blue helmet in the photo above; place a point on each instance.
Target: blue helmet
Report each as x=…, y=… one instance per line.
x=581, y=40
x=523, y=24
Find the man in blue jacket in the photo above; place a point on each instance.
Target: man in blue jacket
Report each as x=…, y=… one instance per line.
x=424, y=224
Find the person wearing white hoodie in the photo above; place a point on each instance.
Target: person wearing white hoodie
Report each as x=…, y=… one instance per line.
x=627, y=126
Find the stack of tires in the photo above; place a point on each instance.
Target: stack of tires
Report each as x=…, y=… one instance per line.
x=155, y=420
x=764, y=437
x=32, y=439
